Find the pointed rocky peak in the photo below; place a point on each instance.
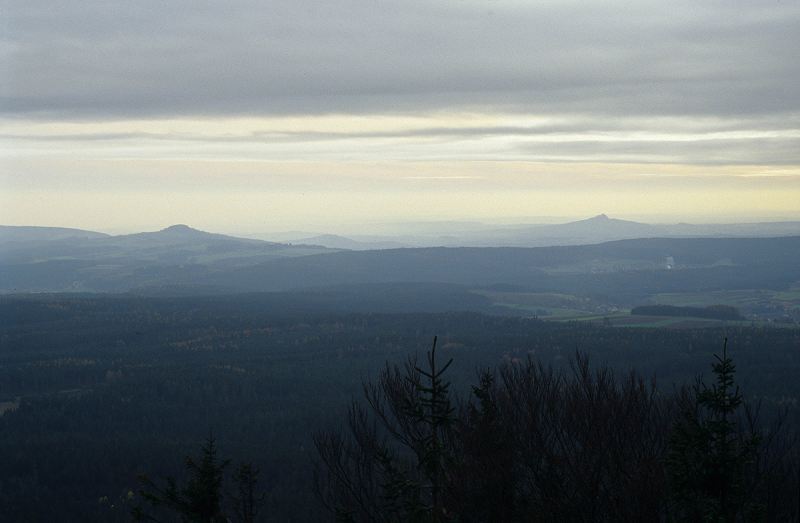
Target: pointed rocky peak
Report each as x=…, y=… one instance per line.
x=601, y=217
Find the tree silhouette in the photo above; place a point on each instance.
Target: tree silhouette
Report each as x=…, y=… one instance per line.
x=487, y=476
x=540, y=443
x=555, y=444
x=393, y=464
x=247, y=500
x=199, y=501
x=710, y=453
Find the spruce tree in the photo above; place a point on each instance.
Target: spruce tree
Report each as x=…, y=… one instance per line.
x=709, y=454
x=199, y=501
x=394, y=464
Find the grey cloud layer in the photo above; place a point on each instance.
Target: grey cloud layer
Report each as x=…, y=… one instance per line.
x=521, y=144
x=100, y=59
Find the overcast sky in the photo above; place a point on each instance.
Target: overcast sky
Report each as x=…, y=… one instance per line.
x=270, y=115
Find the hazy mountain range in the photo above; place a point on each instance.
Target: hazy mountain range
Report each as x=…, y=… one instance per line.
x=57, y=259
x=180, y=259
x=176, y=244
x=598, y=229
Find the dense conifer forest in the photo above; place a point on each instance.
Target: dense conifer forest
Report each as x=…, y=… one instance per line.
x=97, y=391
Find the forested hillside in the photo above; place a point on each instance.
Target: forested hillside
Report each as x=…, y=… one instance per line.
x=199, y=263
x=99, y=389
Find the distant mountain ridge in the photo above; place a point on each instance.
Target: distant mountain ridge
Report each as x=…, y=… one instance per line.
x=335, y=241
x=183, y=260
x=25, y=233
x=591, y=230
x=180, y=234
x=710, y=262
x=597, y=229
x=71, y=260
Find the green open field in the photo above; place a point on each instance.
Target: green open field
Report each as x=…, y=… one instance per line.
x=738, y=298
x=546, y=304
x=758, y=305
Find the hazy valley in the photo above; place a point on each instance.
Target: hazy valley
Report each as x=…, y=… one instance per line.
x=602, y=279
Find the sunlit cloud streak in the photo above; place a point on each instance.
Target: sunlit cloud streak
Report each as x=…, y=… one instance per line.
x=456, y=109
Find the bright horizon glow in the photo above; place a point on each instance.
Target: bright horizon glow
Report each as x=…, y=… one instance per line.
x=341, y=116
x=336, y=172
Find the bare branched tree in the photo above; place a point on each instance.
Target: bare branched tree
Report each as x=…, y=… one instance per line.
x=588, y=445
x=393, y=461
x=533, y=443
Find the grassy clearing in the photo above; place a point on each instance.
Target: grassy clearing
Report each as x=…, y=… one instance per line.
x=743, y=299
x=762, y=304
x=544, y=304
x=737, y=298
x=670, y=322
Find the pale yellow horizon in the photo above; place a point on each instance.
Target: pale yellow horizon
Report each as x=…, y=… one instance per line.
x=338, y=173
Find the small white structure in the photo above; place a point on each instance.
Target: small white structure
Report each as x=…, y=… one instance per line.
x=670, y=262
